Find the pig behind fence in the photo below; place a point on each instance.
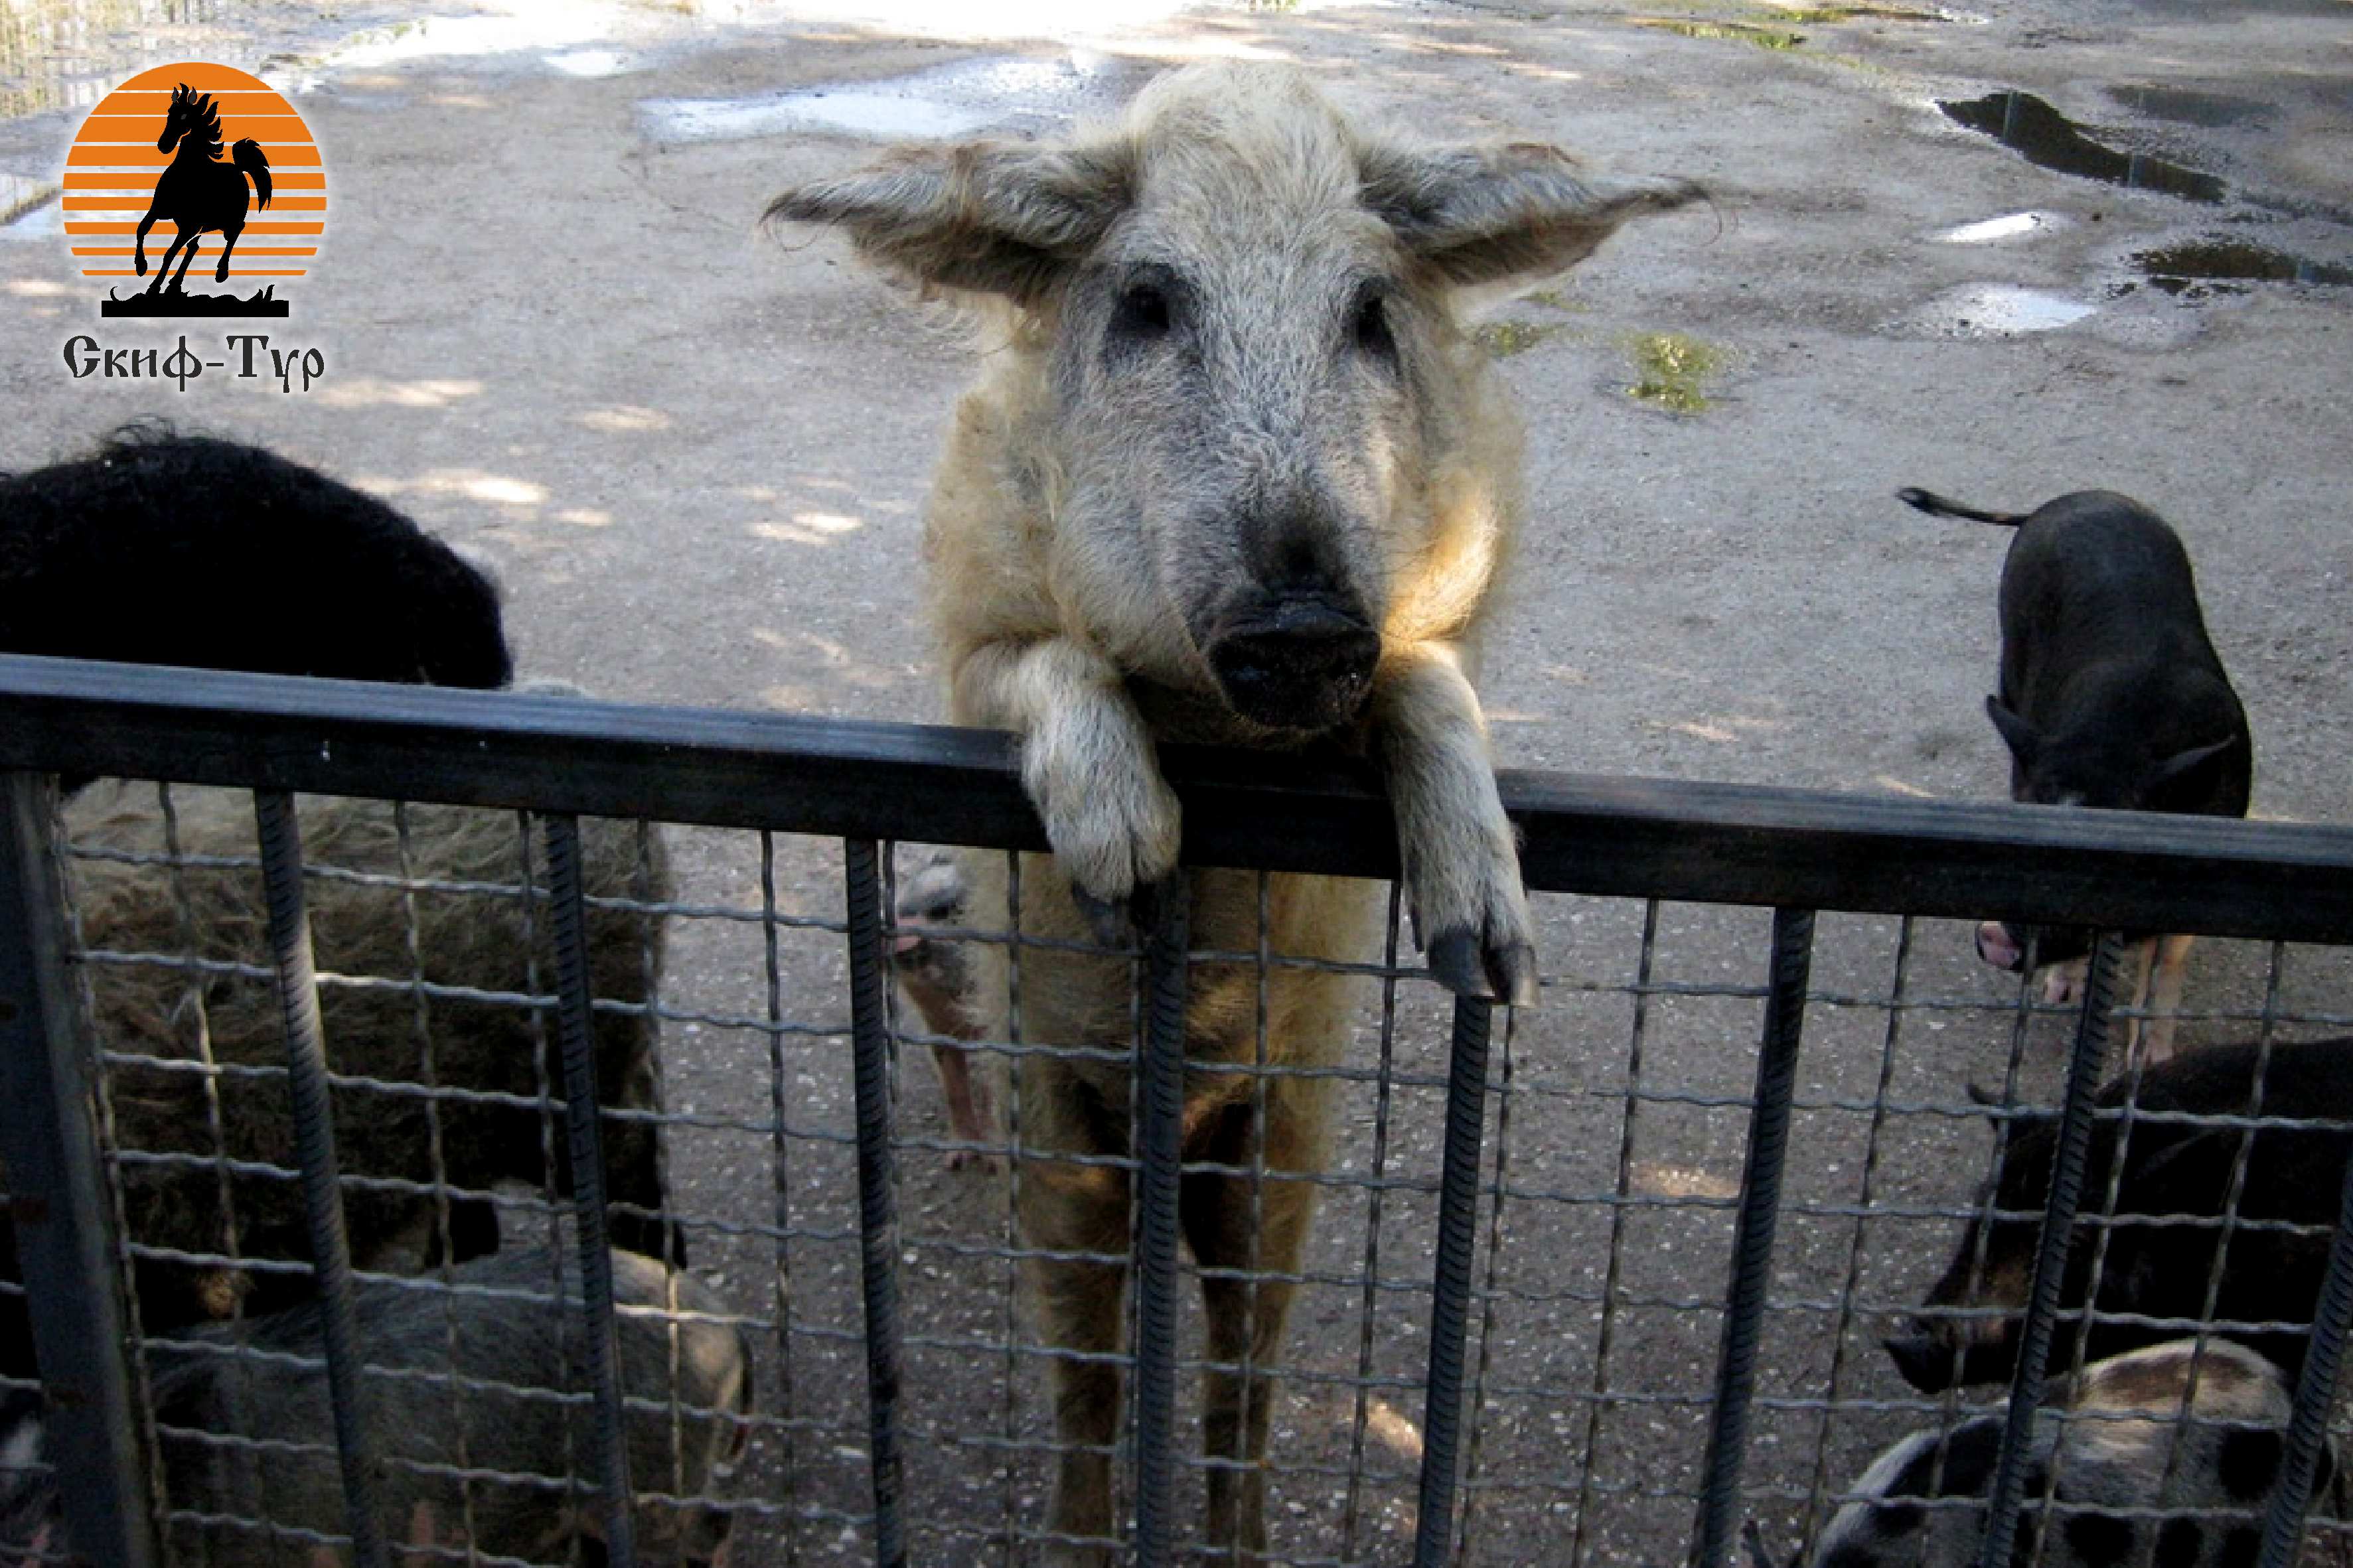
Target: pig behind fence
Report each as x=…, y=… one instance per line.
x=472, y=930
x=2159, y=1264
x=1236, y=476
x=2190, y=1431
x=513, y=1418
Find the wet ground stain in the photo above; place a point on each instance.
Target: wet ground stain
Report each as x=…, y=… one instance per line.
x=1996, y=310
x=2049, y=140
x=1749, y=33
x=1672, y=371
x=2200, y=268
x=1825, y=16
x=2189, y=106
x=2206, y=10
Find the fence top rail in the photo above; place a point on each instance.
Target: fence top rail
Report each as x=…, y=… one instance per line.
x=1611, y=836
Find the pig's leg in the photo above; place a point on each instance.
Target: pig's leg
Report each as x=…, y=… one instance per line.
x=2167, y=961
x=1244, y=1318
x=1074, y=1219
x=1461, y=863
x=1087, y=760
x=967, y=1105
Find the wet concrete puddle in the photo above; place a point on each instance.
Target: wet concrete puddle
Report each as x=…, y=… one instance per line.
x=1995, y=311
x=2210, y=265
x=2049, y=140
x=2188, y=106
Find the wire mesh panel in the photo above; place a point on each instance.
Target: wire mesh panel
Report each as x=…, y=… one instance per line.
x=710, y=1172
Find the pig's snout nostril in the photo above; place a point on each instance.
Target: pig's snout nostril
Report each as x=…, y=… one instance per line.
x=1297, y=665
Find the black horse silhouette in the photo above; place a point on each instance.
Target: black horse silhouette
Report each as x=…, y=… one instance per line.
x=198, y=190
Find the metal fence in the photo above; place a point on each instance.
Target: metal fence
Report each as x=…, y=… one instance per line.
x=1595, y=1282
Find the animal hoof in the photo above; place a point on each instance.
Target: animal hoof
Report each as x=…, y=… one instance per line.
x=1512, y=969
x=1468, y=967
x=1454, y=963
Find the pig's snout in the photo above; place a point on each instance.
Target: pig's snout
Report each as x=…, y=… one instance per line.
x=1298, y=663
x=1923, y=1363
x=2000, y=946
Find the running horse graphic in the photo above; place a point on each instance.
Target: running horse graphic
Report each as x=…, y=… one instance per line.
x=198, y=190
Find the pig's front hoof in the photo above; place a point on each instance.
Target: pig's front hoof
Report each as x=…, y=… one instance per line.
x=1113, y=822
x=1495, y=971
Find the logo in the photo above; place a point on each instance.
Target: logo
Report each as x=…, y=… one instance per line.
x=192, y=174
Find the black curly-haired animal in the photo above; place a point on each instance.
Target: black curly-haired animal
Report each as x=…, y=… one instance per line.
x=161, y=548
x=168, y=549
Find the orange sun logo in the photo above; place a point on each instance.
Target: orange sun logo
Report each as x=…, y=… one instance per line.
x=189, y=175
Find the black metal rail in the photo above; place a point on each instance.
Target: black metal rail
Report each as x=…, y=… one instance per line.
x=561, y=757
x=1606, y=837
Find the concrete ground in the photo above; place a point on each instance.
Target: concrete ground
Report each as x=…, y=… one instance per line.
x=698, y=456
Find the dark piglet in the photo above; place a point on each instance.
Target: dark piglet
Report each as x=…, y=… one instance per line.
x=2111, y=694
x=2159, y=1261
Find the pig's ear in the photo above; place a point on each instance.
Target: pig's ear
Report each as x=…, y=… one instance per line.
x=2016, y=732
x=977, y=216
x=1481, y=215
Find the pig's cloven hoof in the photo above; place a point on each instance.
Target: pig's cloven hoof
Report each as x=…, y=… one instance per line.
x=1504, y=972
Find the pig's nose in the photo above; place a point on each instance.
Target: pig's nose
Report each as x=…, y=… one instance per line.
x=1999, y=947
x=1924, y=1364
x=1298, y=663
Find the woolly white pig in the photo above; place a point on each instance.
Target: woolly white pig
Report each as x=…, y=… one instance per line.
x=1234, y=475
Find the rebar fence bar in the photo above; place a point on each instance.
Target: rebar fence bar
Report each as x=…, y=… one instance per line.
x=434, y=1132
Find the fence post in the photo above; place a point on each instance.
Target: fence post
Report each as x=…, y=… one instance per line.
x=577, y=1043
x=2068, y=1160
x=65, y=1244
x=1160, y=1095
x=1752, y=1242
x=2316, y=1396
x=1450, y=1305
x=312, y=1101
x=878, y=1206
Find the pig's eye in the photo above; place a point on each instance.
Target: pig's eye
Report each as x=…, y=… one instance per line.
x=1143, y=312
x=1371, y=329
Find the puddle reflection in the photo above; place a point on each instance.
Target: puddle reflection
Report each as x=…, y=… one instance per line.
x=2049, y=140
